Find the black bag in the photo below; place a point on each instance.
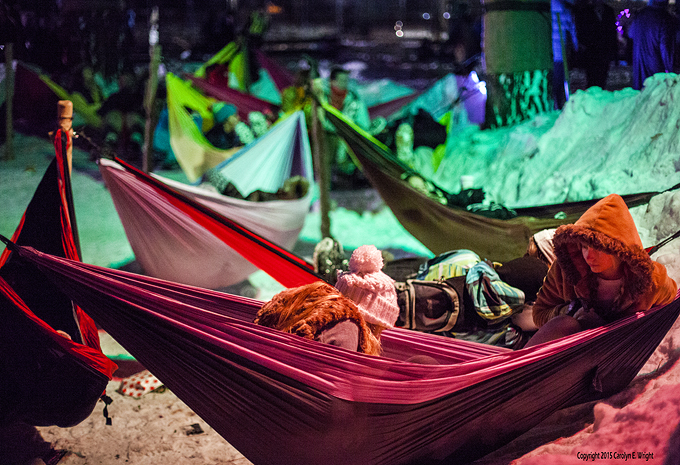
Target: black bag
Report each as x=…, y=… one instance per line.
x=432, y=306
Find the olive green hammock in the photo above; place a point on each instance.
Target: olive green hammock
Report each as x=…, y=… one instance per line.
x=442, y=228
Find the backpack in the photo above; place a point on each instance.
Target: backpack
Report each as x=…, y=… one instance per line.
x=432, y=306
x=444, y=307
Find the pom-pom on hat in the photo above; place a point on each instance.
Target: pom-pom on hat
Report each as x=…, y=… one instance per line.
x=368, y=287
x=222, y=111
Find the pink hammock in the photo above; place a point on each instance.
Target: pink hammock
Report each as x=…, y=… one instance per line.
x=281, y=76
x=282, y=399
x=244, y=103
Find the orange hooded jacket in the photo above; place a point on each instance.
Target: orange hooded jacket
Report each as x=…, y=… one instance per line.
x=607, y=226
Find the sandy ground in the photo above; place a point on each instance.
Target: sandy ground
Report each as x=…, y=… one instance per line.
x=156, y=428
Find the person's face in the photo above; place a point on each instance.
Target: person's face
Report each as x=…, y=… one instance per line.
x=606, y=265
x=341, y=81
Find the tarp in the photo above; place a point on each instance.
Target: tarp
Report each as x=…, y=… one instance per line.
x=389, y=108
x=380, y=91
x=442, y=228
x=273, y=78
x=178, y=232
x=224, y=56
x=81, y=106
x=282, y=399
x=382, y=97
x=33, y=100
x=45, y=378
x=281, y=76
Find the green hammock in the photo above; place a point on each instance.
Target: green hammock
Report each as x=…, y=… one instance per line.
x=442, y=228
x=194, y=153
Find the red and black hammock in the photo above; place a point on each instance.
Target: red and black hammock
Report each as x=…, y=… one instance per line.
x=45, y=378
x=279, y=263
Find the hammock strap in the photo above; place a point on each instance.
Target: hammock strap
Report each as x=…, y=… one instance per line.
x=8, y=243
x=107, y=401
x=654, y=249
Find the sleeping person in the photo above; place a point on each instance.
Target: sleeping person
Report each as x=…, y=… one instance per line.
x=351, y=316
x=601, y=273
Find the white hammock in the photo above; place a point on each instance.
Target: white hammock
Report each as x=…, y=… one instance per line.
x=170, y=245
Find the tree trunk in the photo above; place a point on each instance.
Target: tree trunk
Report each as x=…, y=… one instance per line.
x=322, y=167
x=150, y=93
x=518, y=57
x=513, y=97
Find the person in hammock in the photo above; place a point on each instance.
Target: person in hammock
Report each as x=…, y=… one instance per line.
x=351, y=316
x=601, y=273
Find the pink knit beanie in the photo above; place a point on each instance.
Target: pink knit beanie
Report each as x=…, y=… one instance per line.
x=368, y=287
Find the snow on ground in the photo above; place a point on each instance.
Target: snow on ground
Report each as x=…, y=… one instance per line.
x=622, y=142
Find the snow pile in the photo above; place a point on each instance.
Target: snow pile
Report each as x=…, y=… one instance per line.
x=353, y=229
x=602, y=142
x=637, y=431
x=656, y=221
x=659, y=219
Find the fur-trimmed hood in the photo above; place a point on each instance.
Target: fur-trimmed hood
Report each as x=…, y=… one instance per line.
x=607, y=226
